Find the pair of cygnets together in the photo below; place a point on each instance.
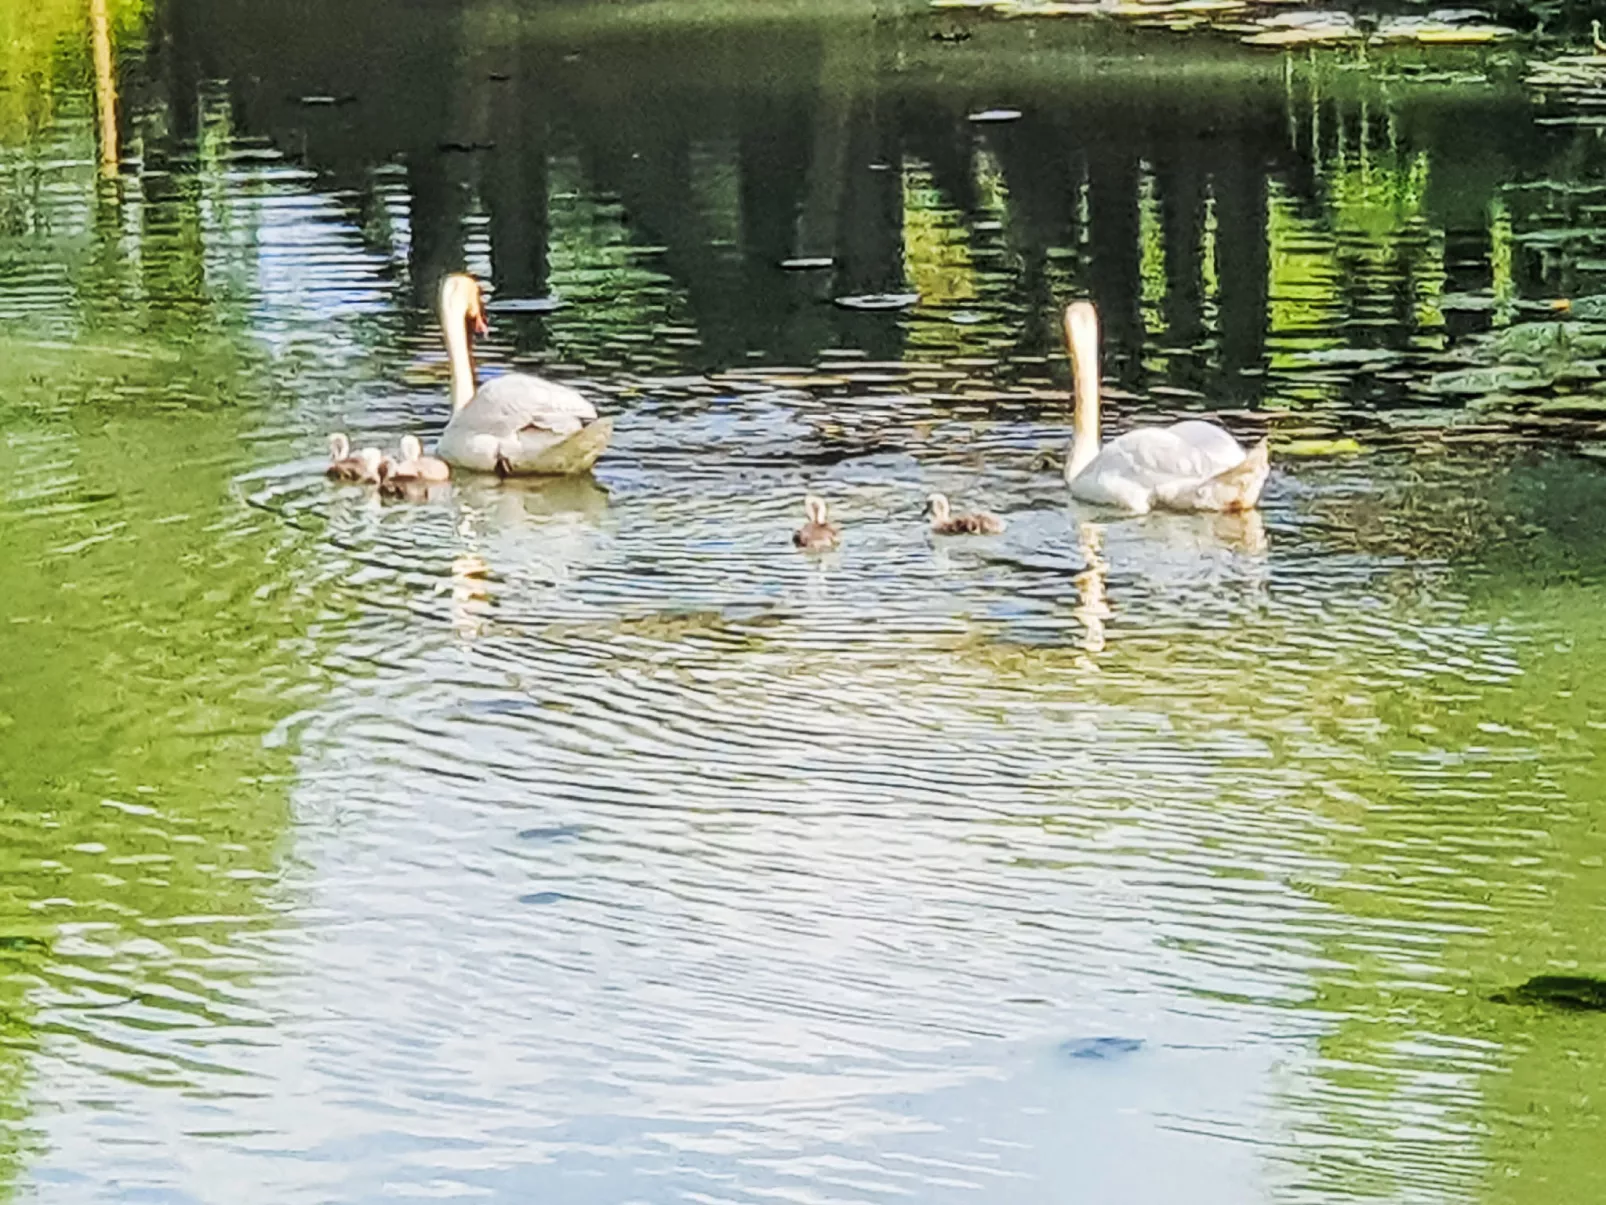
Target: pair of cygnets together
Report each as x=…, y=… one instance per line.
x=370, y=466
x=819, y=534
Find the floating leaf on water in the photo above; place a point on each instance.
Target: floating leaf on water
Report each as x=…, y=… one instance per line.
x=1208, y=6
x=1137, y=11
x=1424, y=418
x=807, y=263
x=1319, y=447
x=1053, y=10
x=1310, y=35
x=1494, y=379
x=1468, y=303
x=1304, y=28
x=1314, y=28
x=996, y=115
x=1555, y=236
x=878, y=301
x=1350, y=357
x=526, y=305
x=1435, y=34
x=808, y=381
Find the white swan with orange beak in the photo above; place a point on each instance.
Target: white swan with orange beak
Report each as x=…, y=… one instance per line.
x=516, y=424
x=1188, y=466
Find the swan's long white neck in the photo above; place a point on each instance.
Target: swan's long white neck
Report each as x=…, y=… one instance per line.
x=1082, y=335
x=455, y=327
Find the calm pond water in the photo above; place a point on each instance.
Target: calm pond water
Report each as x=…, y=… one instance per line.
x=584, y=842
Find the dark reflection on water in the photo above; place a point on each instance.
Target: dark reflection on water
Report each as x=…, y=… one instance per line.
x=582, y=841
x=1235, y=217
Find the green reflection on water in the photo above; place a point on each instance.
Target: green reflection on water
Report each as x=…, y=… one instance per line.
x=151, y=632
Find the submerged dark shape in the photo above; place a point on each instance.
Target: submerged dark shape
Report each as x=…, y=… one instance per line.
x=1099, y=1048
x=1576, y=993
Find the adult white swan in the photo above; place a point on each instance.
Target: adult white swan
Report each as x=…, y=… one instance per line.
x=516, y=424
x=1189, y=466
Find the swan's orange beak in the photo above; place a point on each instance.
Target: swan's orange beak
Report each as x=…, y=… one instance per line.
x=478, y=324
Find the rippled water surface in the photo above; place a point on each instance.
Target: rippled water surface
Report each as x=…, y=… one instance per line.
x=585, y=842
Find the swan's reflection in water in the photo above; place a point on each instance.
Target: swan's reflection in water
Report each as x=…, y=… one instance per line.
x=508, y=501
x=1214, y=561
x=536, y=531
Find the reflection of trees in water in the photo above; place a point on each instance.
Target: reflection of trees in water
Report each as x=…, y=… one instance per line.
x=1221, y=225
x=1213, y=223
x=140, y=810
x=1224, y=224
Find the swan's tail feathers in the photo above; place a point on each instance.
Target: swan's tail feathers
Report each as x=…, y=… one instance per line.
x=1232, y=490
x=541, y=454
x=1240, y=485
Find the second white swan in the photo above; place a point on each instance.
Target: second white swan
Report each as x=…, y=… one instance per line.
x=1189, y=466
x=516, y=424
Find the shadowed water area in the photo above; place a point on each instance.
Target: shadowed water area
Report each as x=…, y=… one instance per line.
x=585, y=842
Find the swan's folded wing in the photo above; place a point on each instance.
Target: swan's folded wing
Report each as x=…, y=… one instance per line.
x=1215, y=442
x=1154, y=456
x=513, y=402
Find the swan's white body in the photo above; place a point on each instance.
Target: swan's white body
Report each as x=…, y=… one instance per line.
x=1189, y=466
x=516, y=424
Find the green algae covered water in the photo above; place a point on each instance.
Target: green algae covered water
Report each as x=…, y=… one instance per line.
x=584, y=842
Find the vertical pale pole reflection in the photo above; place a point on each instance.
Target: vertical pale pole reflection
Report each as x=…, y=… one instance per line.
x=105, y=86
x=1092, y=608
x=471, y=596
